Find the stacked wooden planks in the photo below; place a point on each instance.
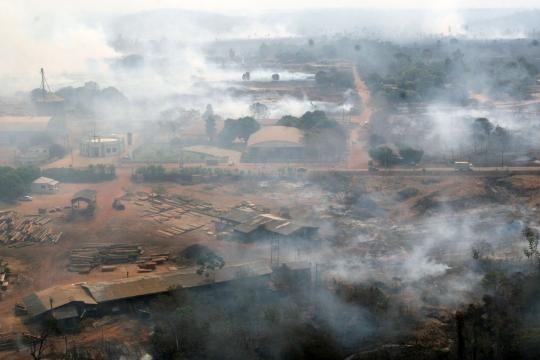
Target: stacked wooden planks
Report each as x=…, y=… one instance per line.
x=148, y=263
x=17, y=230
x=84, y=259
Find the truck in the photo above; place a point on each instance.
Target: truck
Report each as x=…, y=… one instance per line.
x=463, y=166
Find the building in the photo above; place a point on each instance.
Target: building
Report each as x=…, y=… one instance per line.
x=251, y=225
x=209, y=154
x=34, y=155
x=97, y=146
x=88, y=197
x=69, y=303
x=275, y=144
x=16, y=130
x=44, y=185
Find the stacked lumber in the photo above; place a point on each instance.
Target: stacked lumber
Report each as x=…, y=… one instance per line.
x=84, y=259
x=8, y=342
x=17, y=230
x=177, y=230
x=148, y=263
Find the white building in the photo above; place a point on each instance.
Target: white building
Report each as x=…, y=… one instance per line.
x=44, y=185
x=97, y=146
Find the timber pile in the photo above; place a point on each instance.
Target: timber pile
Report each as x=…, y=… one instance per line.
x=84, y=259
x=17, y=230
x=8, y=342
x=176, y=206
x=148, y=263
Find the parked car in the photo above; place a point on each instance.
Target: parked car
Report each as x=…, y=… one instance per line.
x=25, y=198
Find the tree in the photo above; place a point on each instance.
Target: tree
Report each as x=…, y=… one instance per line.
x=384, y=155
x=410, y=154
x=503, y=139
x=241, y=128
x=481, y=129
x=11, y=184
x=258, y=110
x=532, y=236
x=289, y=120
x=247, y=126
x=210, y=122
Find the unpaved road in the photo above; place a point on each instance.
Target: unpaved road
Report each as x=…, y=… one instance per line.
x=358, y=156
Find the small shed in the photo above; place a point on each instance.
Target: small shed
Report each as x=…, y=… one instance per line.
x=87, y=196
x=44, y=185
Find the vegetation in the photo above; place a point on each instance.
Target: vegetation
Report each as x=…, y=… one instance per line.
x=240, y=128
x=325, y=138
x=93, y=173
x=157, y=173
x=14, y=182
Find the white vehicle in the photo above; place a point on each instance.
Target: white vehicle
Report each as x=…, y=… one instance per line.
x=463, y=166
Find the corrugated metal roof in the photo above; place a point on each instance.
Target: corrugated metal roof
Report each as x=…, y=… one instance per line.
x=45, y=180
x=271, y=223
x=155, y=284
x=252, y=225
x=87, y=194
x=55, y=297
x=282, y=135
x=127, y=288
x=239, y=215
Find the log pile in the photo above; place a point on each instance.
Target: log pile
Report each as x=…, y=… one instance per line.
x=84, y=259
x=8, y=342
x=148, y=263
x=17, y=230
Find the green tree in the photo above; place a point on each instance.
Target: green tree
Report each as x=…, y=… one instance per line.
x=289, y=120
x=11, y=184
x=383, y=155
x=532, y=236
x=410, y=154
x=481, y=129
x=247, y=126
x=503, y=140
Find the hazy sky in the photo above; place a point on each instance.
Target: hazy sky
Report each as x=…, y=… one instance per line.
x=260, y=5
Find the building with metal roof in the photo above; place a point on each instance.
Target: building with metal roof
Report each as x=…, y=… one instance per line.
x=44, y=185
x=68, y=303
x=276, y=136
x=275, y=144
x=101, y=146
x=53, y=298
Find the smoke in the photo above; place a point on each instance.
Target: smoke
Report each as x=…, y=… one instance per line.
x=63, y=45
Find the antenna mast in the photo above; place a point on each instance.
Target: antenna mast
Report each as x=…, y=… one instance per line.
x=44, y=85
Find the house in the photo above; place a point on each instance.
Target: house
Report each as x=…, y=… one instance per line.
x=44, y=185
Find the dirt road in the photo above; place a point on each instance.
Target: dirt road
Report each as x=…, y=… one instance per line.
x=359, y=134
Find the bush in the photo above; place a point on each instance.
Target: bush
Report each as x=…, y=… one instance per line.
x=93, y=173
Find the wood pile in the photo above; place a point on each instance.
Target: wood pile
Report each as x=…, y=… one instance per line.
x=17, y=230
x=148, y=263
x=176, y=206
x=8, y=342
x=84, y=259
